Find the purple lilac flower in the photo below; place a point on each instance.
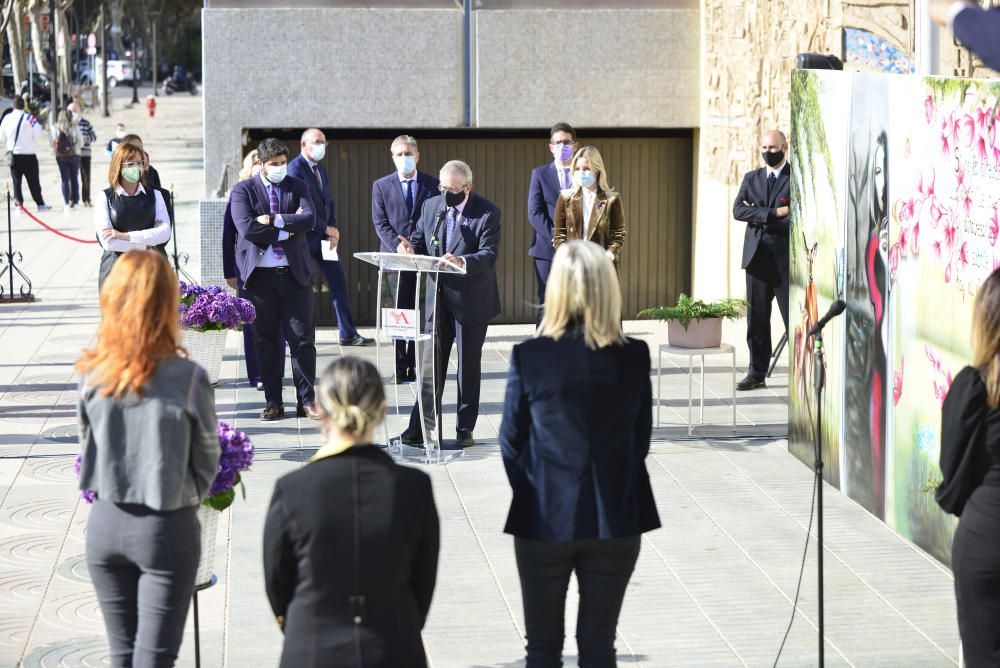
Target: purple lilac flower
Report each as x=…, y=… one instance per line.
x=212, y=307
x=237, y=455
x=85, y=494
x=248, y=312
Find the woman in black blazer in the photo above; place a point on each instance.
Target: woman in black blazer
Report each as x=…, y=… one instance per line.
x=970, y=467
x=574, y=438
x=351, y=540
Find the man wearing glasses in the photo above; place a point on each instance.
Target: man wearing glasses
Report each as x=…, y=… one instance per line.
x=463, y=229
x=546, y=182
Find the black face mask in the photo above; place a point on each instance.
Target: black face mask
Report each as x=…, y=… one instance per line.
x=774, y=158
x=452, y=200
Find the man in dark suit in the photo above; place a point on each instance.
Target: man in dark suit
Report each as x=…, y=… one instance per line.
x=976, y=28
x=464, y=229
x=273, y=215
x=763, y=204
x=543, y=193
x=396, y=203
x=308, y=167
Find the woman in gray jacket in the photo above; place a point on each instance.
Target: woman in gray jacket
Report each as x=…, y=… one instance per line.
x=149, y=452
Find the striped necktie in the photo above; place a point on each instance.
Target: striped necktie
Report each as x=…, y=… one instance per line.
x=272, y=191
x=449, y=228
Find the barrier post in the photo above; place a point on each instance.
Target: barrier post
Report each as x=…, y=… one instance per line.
x=12, y=257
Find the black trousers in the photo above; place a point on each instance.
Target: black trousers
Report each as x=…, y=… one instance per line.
x=26, y=165
x=975, y=560
x=470, y=340
x=542, y=268
x=283, y=306
x=85, y=178
x=333, y=272
x=143, y=565
x=406, y=297
x=767, y=280
x=603, y=569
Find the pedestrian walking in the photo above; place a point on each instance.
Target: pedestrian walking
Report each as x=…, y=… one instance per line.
x=89, y=137
x=20, y=130
x=574, y=438
x=350, y=579
x=67, y=140
x=143, y=537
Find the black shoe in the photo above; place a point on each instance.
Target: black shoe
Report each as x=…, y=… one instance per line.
x=463, y=438
x=405, y=376
x=407, y=438
x=357, y=340
x=750, y=383
x=272, y=412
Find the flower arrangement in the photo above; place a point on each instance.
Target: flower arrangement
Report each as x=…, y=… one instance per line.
x=211, y=307
x=237, y=456
x=688, y=309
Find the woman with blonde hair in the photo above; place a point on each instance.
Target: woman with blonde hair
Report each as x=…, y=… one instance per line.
x=970, y=487
x=575, y=433
x=590, y=210
x=149, y=452
x=351, y=540
x=131, y=215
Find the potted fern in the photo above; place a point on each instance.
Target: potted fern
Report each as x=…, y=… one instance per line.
x=692, y=323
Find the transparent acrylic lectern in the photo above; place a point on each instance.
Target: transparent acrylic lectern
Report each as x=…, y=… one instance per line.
x=416, y=324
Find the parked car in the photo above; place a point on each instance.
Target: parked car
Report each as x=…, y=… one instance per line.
x=40, y=88
x=119, y=71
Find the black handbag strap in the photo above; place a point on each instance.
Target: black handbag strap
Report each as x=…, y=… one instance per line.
x=17, y=133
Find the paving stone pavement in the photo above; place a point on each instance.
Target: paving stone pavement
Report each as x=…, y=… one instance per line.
x=713, y=587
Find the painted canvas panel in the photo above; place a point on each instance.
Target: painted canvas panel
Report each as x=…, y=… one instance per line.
x=867, y=52
x=818, y=141
x=943, y=244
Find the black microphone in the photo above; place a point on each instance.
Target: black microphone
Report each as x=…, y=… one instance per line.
x=835, y=309
x=437, y=227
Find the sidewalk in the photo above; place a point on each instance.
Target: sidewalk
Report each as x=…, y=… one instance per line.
x=713, y=587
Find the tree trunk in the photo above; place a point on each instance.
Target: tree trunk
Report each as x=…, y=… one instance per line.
x=116, y=9
x=34, y=10
x=16, y=44
x=64, y=73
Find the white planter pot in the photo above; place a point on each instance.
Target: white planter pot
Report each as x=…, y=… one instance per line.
x=209, y=519
x=207, y=349
x=705, y=333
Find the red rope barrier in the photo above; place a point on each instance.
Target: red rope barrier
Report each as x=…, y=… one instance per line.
x=55, y=231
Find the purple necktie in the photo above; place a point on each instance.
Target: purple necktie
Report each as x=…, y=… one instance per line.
x=275, y=203
x=449, y=228
x=319, y=179
x=564, y=177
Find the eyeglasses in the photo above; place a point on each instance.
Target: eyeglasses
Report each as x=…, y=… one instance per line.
x=564, y=142
x=453, y=191
x=132, y=164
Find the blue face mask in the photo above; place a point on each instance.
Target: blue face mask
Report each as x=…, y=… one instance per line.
x=405, y=164
x=586, y=178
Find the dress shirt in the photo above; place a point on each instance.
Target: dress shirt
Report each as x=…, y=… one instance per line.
x=158, y=234
x=31, y=130
x=956, y=8
x=588, y=203
x=269, y=259
x=776, y=170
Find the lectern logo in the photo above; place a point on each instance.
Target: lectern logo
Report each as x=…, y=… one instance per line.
x=399, y=317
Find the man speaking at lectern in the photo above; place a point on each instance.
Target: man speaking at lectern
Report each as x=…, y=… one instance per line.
x=464, y=229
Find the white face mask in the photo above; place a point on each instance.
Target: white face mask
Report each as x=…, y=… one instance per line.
x=255, y=170
x=275, y=174
x=405, y=164
x=317, y=151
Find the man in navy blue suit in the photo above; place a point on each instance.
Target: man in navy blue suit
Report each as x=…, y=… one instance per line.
x=273, y=215
x=396, y=203
x=308, y=167
x=976, y=28
x=463, y=229
x=543, y=193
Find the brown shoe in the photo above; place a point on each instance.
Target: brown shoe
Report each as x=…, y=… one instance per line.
x=272, y=412
x=307, y=409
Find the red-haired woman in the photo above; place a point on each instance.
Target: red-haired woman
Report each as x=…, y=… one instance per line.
x=149, y=451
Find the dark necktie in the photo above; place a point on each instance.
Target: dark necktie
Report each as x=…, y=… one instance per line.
x=409, y=197
x=275, y=205
x=771, y=180
x=449, y=228
x=319, y=179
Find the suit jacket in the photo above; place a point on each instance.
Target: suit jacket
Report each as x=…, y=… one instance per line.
x=389, y=213
x=978, y=30
x=248, y=200
x=760, y=216
x=607, y=221
x=311, y=556
x=474, y=299
x=322, y=201
x=574, y=439
x=543, y=193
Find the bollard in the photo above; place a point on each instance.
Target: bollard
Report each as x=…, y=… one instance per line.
x=12, y=257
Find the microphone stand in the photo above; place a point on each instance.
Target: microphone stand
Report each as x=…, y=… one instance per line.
x=819, y=380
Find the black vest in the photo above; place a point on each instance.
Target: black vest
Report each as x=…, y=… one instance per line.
x=128, y=214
